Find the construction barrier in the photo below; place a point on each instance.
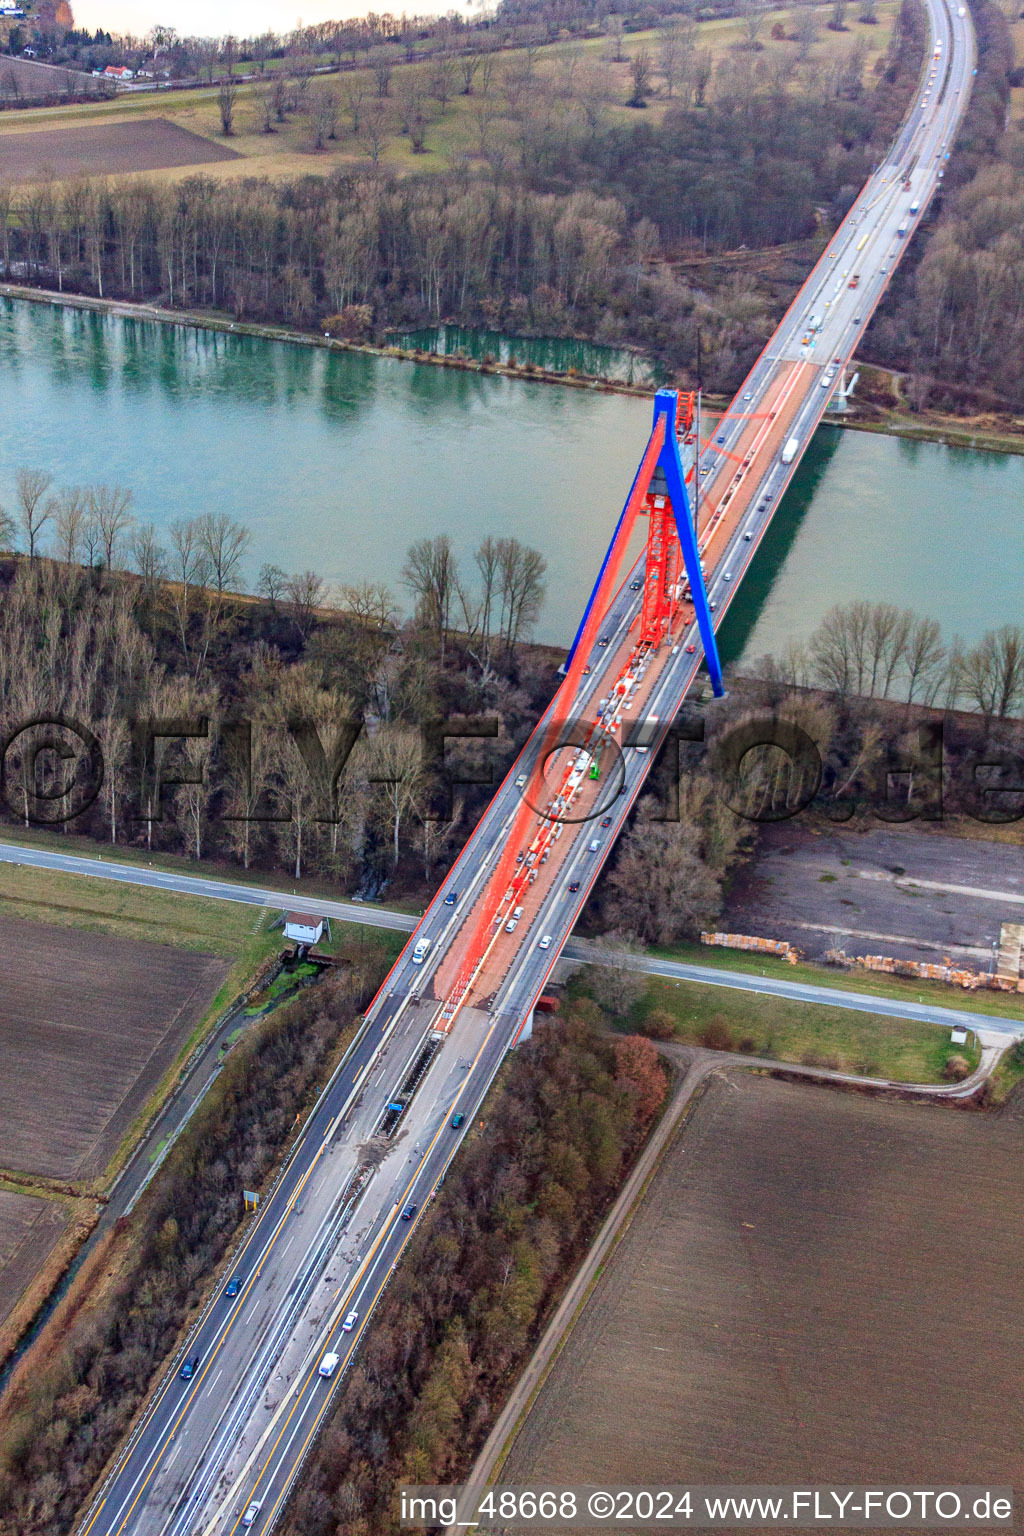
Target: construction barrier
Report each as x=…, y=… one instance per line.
x=924, y=970
x=749, y=941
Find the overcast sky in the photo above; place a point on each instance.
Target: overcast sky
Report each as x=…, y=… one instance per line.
x=245, y=18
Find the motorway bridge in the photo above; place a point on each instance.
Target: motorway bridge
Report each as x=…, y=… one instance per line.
x=223, y=1447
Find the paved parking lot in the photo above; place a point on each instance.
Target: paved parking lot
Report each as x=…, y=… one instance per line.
x=915, y=895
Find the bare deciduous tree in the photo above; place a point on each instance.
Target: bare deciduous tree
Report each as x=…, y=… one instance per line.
x=226, y=98
x=224, y=542
x=374, y=126
x=305, y=591
x=640, y=75
x=149, y=558
x=272, y=583
x=31, y=485
x=431, y=574
x=110, y=507
x=72, y=507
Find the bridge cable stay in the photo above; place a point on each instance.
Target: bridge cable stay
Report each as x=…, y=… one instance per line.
x=659, y=490
x=493, y=897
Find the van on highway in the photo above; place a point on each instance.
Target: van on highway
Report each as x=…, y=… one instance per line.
x=328, y=1365
x=189, y=1369
x=419, y=953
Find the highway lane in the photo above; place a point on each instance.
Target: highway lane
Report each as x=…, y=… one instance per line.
x=240, y=1429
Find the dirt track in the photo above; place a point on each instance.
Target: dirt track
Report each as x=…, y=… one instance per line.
x=818, y=1286
x=88, y=1024
x=111, y=149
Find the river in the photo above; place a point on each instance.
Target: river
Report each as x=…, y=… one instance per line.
x=338, y=461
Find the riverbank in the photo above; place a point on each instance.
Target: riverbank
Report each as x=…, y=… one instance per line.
x=211, y=321
x=983, y=433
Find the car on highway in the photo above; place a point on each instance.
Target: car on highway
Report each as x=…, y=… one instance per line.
x=603, y=640
x=595, y=844
x=189, y=1369
x=720, y=438
x=328, y=1365
x=545, y=942
x=458, y=1119
x=233, y=1287
x=748, y=394
x=606, y=822
x=574, y=886
x=635, y=586
x=252, y=1514
x=512, y=925
x=409, y=1212
x=691, y=650
x=350, y=1322
x=451, y=898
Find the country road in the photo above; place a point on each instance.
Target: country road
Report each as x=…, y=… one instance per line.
x=576, y=949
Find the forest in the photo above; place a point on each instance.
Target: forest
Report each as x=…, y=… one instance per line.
x=309, y=713
x=954, y=318
x=561, y=218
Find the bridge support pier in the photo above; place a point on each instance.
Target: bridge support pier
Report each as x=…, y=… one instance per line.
x=844, y=389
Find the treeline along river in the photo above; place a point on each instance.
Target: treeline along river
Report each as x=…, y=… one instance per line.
x=337, y=461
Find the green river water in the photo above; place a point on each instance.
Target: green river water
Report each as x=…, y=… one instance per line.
x=337, y=461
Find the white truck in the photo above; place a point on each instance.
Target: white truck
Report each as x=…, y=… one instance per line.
x=790, y=451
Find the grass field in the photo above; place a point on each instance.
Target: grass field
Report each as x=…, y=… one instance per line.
x=88, y=1026
x=813, y=1034
x=781, y=1307
x=452, y=137
x=128, y=911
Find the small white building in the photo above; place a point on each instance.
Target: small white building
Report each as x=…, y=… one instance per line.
x=303, y=928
